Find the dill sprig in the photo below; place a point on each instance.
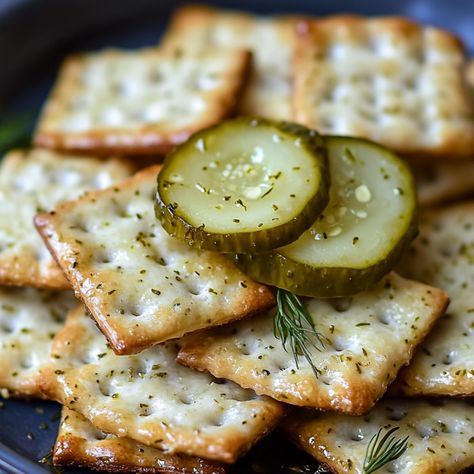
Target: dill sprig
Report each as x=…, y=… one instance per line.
x=15, y=131
x=382, y=450
x=293, y=324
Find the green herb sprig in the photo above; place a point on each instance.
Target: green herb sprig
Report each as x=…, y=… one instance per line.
x=293, y=324
x=383, y=449
x=15, y=131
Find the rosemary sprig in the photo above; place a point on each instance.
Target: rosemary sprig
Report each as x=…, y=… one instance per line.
x=15, y=131
x=293, y=324
x=381, y=451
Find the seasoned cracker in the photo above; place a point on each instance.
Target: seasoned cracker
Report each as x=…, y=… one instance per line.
x=371, y=336
x=271, y=40
x=387, y=79
x=443, y=255
x=139, y=102
x=470, y=76
x=152, y=399
x=141, y=285
x=35, y=181
x=79, y=444
x=440, y=434
x=443, y=181
x=29, y=320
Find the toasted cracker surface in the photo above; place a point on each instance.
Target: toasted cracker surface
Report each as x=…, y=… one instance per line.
x=35, y=181
x=141, y=285
x=271, y=40
x=387, y=79
x=440, y=436
x=139, y=102
x=29, y=320
x=152, y=399
x=440, y=182
x=470, y=75
x=443, y=255
x=79, y=444
x=371, y=337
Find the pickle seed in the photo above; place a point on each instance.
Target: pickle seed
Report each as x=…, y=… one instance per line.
x=362, y=193
x=252, y=192
x=334, y=232
x=361, y=214
x=201, y=145
x=257, y=155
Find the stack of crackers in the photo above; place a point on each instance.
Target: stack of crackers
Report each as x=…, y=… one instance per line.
x=164, y=357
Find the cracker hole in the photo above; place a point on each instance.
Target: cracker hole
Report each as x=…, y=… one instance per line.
x=384, y=318
x=341, y=305
x=99, y=436
x=26, y=363
x=338, y=345
x=7, y=328
x=449, y=249
x=448, y=359
x=425, y=432
x=357, y=435
x=186, y=399
x=216, y=422
x=325, y=380
x=135, y=310
x=396, y=415
x=81, y=226
x=103, y=257
x=220, y=381
x=244, y=350
x=104, y=389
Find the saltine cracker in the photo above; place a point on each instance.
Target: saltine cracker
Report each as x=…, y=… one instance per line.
x=387, y=79
x=440, y=434
x=443, y=181
x=151, y=398
x=271, y=40
x=33, y=181
x=79, y=444
x=443, y=255
x=139, y=102
x=141, y=285
x=370, y=337
x=29, y=320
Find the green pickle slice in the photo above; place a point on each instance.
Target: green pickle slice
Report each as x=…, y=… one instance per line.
x=245, y=185
x=359, y=237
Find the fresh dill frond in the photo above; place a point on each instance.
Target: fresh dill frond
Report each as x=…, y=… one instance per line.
x=293, y=325
x=383, y=449
x=15, y=131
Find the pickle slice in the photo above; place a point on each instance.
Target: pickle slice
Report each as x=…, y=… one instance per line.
x=370, y=219
x=245, y=185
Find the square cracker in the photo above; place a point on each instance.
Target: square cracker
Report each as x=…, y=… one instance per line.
x=139, y=102
x=151, y=398
x=79, y=444
x=141, y=285
x=34, y=181
x=271, y=40
x=387, y=79
x=470, y=76
x=440, y=436
x=443, y=255
x=29, y=320
x=443, y=181
x=370, y=337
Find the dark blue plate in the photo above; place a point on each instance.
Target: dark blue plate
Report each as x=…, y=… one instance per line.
x=34, y=36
